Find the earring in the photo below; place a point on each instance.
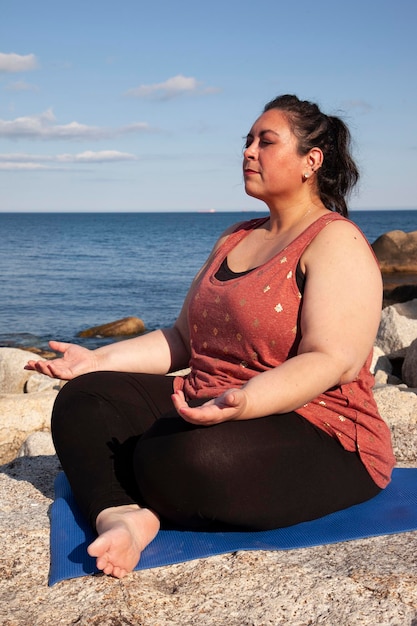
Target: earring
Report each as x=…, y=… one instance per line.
x=306, y=175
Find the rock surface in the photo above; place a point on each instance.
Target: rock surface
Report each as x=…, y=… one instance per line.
x=403, y=292
x=409, y=368
x=398, y=406
x=26, y=400
x=398, y=327
x=21, y=416
x=38, y=443
x=120, y=328
x=366, y=582
x=397, y=251
x=13, y=376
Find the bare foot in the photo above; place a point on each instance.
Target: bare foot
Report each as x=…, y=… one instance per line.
x=123, y=533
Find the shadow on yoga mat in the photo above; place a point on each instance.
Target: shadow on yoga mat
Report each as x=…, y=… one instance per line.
x=394, y=510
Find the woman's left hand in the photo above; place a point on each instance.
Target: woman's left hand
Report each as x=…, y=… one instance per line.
x=229, y=406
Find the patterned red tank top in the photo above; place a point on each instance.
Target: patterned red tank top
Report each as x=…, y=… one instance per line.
x=242, y=327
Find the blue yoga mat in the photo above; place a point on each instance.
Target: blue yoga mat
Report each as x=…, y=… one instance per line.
x=392, y=511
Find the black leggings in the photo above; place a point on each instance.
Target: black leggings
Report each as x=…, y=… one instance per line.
x=120, y=442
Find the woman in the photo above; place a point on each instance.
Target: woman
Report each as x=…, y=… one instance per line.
x=275, y=423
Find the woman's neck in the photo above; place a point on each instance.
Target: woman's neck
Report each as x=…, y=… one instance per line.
x=293, y=215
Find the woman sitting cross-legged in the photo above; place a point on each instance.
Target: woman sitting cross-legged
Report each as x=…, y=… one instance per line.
x=275, y=423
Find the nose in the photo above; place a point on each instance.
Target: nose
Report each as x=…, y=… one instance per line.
x=250, y=151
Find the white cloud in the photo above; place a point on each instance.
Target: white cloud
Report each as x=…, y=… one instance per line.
x=100, y=156
x=171, y=88
x=21, y=85
x=22, y=161
x=22, y=167
x=11, y=62
x=43, y=126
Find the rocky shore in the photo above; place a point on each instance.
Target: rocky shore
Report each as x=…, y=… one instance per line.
x=364, y=582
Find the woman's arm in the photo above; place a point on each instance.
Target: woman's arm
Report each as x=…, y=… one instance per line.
x=157, y=352
x=339, y=320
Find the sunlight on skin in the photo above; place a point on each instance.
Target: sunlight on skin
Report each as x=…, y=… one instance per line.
x=123, y=533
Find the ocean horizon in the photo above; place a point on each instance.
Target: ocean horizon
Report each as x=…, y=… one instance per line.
x=64, y=272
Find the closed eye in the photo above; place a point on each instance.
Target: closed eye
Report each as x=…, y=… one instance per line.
x=248, y=140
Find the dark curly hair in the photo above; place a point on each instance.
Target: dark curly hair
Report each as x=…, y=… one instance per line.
x=338, y=173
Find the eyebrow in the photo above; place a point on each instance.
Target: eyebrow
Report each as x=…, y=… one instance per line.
x=263, y=132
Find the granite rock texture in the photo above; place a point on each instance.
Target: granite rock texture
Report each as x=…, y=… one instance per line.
x=366, y=582
x=409, y=367
x=398, y=327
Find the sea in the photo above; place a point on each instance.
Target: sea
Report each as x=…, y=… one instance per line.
x=61, y=273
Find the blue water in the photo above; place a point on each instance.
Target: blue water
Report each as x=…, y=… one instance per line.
x=63, y=272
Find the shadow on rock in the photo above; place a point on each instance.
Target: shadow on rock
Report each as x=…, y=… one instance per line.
x=40, y=471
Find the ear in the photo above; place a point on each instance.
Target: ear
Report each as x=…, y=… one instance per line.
x=315, y=159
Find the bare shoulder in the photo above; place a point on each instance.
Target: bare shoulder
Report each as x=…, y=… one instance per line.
x=220, y=241
x=343, y=228
x=225, y=234
x=340, y=237
x=341, y=253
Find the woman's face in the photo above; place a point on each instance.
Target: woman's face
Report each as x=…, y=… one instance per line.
x=272, y=167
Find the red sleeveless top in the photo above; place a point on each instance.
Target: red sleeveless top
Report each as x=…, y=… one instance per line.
x=250, y=324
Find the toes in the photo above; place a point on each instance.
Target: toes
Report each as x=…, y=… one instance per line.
x=99, y=546
x=102, y=562
x=119, y=572
x=108, y=569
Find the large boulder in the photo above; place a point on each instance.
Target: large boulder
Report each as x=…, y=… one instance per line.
x=400, y=293
x=397, y=251
x=120, y=328
x=26, y=400
x=38, y=443
x=409, y=368
x=397, y=405
x=398, y=327
x=13, y=376
x=380, y=361
x=21, y=415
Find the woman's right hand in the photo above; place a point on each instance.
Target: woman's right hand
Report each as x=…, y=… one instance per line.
x=75, y=360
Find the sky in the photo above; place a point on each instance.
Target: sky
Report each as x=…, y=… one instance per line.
x=143, y=106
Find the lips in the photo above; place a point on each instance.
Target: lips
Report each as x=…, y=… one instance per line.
x=249, y=172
